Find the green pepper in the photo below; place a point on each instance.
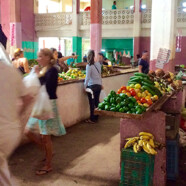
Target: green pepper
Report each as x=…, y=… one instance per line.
x=113, y=93
x=129, y=112
x=118, y=100
x=139, y=111
x=106, y=99
x=118, y=107
x=125, y=109
x=122, y=104
x=123, y=96
x=107, y=107
x=112, y=100
x=113, y=109
x=132, y=99
x=131, y=105
x=133, y=110
x=101, y=106
x=121, y=110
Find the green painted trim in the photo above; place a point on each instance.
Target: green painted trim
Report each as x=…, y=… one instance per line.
x=118, y=44
x=30, y=49
x=77, y=47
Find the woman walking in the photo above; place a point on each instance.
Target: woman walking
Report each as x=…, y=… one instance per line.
x=20, y=62
x=93, y=84
x=48, y=76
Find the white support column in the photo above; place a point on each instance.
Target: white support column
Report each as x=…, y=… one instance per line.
x=137, y=27
x=163, y=28
x=75, y=17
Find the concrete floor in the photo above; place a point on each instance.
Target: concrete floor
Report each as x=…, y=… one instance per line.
x=88, y=155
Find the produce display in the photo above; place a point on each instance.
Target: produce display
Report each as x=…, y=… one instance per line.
x=165, y=82
x=107, y=70
x=71, y=74
x=145, y=141
x=121, y=103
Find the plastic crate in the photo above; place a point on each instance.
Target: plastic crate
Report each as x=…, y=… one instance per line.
x=172, y=125
x=137, y=169
x=172, y=158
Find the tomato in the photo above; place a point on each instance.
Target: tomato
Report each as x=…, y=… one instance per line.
x=137, y=86
x=149, y=101
x=132, y=92
x=139, y=102
x=128, y=94
x=136, y=97
x=123, y=88
x=143, y=100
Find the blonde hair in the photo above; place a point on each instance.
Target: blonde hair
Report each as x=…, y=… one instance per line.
x=52, y=62
x=18, y=52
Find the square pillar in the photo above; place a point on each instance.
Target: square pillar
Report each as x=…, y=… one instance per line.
x=77, y=47
x=96, y=26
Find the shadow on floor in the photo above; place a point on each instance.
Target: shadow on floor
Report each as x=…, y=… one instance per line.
x=79, y=139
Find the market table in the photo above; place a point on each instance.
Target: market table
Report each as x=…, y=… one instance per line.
x=153, y=121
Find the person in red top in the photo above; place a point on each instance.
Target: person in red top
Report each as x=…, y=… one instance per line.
x=87, y=8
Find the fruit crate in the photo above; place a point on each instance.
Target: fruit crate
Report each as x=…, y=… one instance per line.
x=172, y=125
x=172, y=158
x=136, y=168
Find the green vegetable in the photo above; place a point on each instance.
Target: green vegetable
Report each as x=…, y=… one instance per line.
x=113, y=109
x=131, y=105
x=107, y=107
x=149, y=89
x=118, y=107
x=141, y=74
x=121, y=110
x=118, y=100
x=139, y=111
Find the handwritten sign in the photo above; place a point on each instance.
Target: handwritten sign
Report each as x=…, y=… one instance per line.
x=163, y=57
x=12, y=34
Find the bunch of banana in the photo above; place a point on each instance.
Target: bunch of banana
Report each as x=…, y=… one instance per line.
x=145, y=141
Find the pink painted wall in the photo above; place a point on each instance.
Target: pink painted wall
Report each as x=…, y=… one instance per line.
x=180, y=57
x=27, y=20
x=5, y=17
x=144, y=44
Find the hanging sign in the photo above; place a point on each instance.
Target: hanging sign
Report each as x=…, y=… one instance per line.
x=163, y=57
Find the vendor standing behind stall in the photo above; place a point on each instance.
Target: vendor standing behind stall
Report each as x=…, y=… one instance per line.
x=20, y=62
x=93, y=83
x=102, y=59
x=60, y=63
x=143, y=64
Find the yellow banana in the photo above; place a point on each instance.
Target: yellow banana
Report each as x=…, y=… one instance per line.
x=151, y=142
x=146, y=134
x=145, y=148
x=137, y=138
x=144, y=137
x=130, y=143
x=135, y=148
x=140, y=143
x=138, y=148
x=152, y=151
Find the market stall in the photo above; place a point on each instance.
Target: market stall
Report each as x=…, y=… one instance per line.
x=73, y=102
x=149, y=108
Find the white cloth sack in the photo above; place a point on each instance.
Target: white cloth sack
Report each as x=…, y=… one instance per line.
x=102, y=96
x=42, y=109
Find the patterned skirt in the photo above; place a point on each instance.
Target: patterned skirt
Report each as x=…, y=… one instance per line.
x=52, y=126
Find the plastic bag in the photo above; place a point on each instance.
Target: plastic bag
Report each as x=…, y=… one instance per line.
x=42, y=109
x=102, y=96
x=32, y=82
x=4, y=56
